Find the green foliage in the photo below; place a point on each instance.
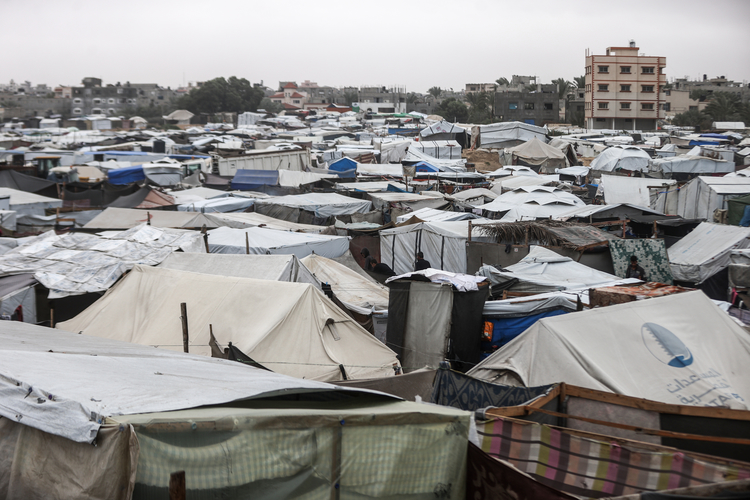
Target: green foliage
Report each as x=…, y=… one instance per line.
x=350, y=96
x=222, y=95
x=411, y=98
x=152, y=113
x=270, y=106
x=577, y=118
x=453, y=110
x=723, y=107
x=563, y=86
x=580, y=81
x=699, y=95
x=502, y=81
x=480, y=111
x=435, y=92
x=692, y=118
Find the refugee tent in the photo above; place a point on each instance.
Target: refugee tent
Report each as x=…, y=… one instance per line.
x=639, y=191
x=145, y=197
x=184, y=196
x=505, y=184
x=618, y=158
x=260, y=267
x=432, y=215
x=412, y=201
x=222, y=204
x=370, y=186
x=147, y=420
x=379, y=170
x=22, y=182
x=470, y=198
x=445, y=165
x=567, y=148
x=536, y=154
x=164, y=172
x=319, y=205
x=682, y=165
x=541, y=201
x=656, y=349
x=26, y=203
x=544, y=270
x=449, y=150
x=702, y=257
x=125, y=175
x=443, y=245
x=241, y=220
x=18, y=298
x=441, y=131
x=263, y=319
x=699, y=198
x=125, y=218
x=505, y=135
x=260, y=240
x=617, y=211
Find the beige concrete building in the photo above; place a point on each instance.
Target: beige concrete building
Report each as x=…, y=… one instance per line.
x=472, y=88
x=623, y=89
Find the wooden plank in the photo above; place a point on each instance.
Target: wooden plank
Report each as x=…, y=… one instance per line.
x=177, y=489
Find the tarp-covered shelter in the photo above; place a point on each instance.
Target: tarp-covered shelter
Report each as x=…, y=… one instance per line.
x=299, y=333
x=703, y=195
x=414, y=201
x=567, y=148
x=125, y=175
x=26, y=203
x=443, y=245
x=538, y=155
x=223, y=204
x=441, y=131
x=542, y=202
x=656, y=349
x=432, y=215
x=145, y=197
x=639, y=191
x=125, y=218
x=505, y=135
x=15, y=180
x=682, y=165
x=617, y=158
x=260, y=240
x=318, y=205
x=446, y=150
x=147, y=420
x=241, y=220
x=260, y=267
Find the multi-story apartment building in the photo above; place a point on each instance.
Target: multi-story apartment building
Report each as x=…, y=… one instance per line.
x=623, y=89
x=472, y=88
x=111, y=100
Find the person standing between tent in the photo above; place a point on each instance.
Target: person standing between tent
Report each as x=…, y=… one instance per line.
x=634, y=270
x=421, y=264
x=369, y=259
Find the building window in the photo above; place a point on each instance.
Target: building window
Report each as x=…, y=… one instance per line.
x=647, y=106
x=600, y=119
x=97, y=101
x=624, y=105
x=603, y=105
x=77, y=111
x=296, y=101
x=512, y=105
x=692, y=108
x=96, y=111
x=161, y=97
x=624, y=88
x=111, y=101
x=528, y=105
x=603, y=69
x=647, y=70
x=548, y=106
x=120, y=91
x=628, y=120
x=111, y=111
x=625, y=70
x=667, y=106
x=603, y=87
x=77, y=100
x=647, y=88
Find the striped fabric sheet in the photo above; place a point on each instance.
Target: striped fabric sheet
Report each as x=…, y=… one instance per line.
x=595, y=469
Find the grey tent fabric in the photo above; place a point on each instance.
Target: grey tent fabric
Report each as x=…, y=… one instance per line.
x=22, y=182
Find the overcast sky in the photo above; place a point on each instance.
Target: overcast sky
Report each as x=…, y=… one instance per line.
x=416, y=44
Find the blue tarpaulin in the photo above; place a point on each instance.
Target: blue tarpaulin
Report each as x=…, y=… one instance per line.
x=706, y=142
x=423, y=166
x=506, y=329
x=247, y=180
x=343, y=165
x=394, y=189
x=716, y=136
x=127, y=175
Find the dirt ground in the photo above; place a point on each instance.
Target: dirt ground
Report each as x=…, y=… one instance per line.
x=484, y=159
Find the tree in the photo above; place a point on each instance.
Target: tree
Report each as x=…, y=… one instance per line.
x=502, y=81
x=435, y=92
x=350, y=97
x=692, y=118
x=563, y=86
x=453, y=110
x=479, y=110
x=222, y=95
x=699, y=95
x=580, y=81
x=270, y=106
x=411, y=98
x=723, y=107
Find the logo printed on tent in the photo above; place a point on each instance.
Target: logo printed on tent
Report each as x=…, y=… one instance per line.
x=665, y=346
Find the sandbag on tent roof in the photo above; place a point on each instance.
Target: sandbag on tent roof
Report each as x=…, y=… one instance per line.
x=536, y=153
x=658, y=349
x=259, y=240
x=621, y=158
x=322, y=204
x=125, y=218
x=505, y=134
x=357, y=293
x=259, y=267
x=290, y=328
x=544, y=270
x=705, y=251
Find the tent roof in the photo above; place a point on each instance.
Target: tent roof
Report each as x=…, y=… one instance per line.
x=300, y=331
x=254, y=219
x=125, y=218
x=323, y=204
x=441, y=127
x=705, y=251
x=534, y=149
x=645, y=350
x=130, y=379
x=260, y=240
x=621, y=158
x=22, y=182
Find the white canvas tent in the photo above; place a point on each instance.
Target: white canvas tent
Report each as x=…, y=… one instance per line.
x=621, y=158
x=290, y=328
x=259, y=267
x=538, y=154
x=415, y=201
x=126, y=218
x=24, y=203
x=443, y=245
x=705, y=251
x=505, y=134
x=443, y=150
x=678, y=349
x=254, y=219
x=699, y=198
x=639, y=191
x=432, y=215
x=259, y=240
x=442, y=130
x=322, y=204
x=685, y=164
x=541, y=201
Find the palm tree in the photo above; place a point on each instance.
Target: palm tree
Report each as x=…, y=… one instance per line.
x=692, y=118
x=502, y=81
x=723, y=107
x=435, y=92
x=563, y=86
x=580, y=81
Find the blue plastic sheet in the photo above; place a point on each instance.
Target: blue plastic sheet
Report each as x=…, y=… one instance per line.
x=248, y=180
x=506, y=329
x=127, y=175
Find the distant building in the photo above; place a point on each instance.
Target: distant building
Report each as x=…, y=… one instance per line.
x=381, y=99
x=112, y=100
x=679, y=101
x=709, y=86
x=472, y=88
x=289, y=96
x=534, y=107
x=623, y=89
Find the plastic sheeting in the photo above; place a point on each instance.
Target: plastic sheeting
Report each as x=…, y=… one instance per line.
x=445, y=165
x=636, y=190
x=125, y=175
x=221, y=205
x=24, y=203
x=684, y=164
x=699, y=198
x=432, y=215
x=415, y=201
x=290, y=328
x=621, y=158
x=322, y=204
x=261, y=267
x=678, y=349
x=269, y=241
x=536, y=152
x=705, y=251
x=78, y=263
x=126, y=218
x=253, y=219
x=444, y=150
x=506, y=134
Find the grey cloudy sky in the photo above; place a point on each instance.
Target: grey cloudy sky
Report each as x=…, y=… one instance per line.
x=416, y=44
